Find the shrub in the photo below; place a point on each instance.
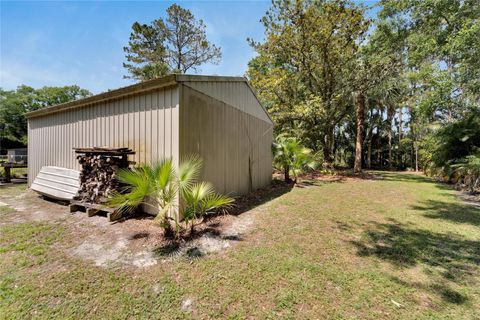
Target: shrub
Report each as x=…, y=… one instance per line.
x=291, y=157
x=171, y=191
x=448, y=148
x=467, y=173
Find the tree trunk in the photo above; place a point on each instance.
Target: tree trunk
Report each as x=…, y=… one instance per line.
x=416, y=157
x=287, y=173
x=400, y=124
x=379, y=152
x=369, y=150
x=400, y=129
x=360, y=110
x=369, y=145
x=327, y=149
x=389, y=135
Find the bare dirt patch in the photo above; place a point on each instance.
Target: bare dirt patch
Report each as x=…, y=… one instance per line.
x=137, y=242
x=117, y=253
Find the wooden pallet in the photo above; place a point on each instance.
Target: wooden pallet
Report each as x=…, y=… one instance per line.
x=92, y=209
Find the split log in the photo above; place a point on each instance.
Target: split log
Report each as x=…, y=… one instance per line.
x=98, y=173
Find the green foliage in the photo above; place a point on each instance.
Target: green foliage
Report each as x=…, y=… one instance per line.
x=176, y=44
x=291, y=157
x=169, y=191
x=148, y=183
x=441, y=39
x=467, y=173
x=146, y=52
x=418, y=68
x=199, y=199
x=447, y=150
x=304, y=67
x=188, y=173
x=15, y=103
x=457, y=140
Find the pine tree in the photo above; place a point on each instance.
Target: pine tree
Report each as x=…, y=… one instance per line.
x=177, y=44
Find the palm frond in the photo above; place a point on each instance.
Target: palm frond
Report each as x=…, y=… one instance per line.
x=126, y=202
x=164, y=173
x=215, y=201
x=188, y=172
x=132, y=177
x=197, y=192
x=289, y=153
x=168, y=188
x=139, y=187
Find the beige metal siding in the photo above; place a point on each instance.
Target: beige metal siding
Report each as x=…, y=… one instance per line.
x=220, y=120
x=228, y=140
x=147, y=123
x=234, y=93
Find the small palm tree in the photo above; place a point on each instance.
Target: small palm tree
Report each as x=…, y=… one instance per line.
x=200, y=199
x=162, y=187
x=290, y=156
x=197, y=198
x=151, y=185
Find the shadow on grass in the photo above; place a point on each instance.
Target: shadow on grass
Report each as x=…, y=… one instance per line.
x=415, y=178
x=406, y=177
x=403, y=246
x=453, y=212
x=313, y=177
x=242, y=204
x=320, y=182
x=256, y=198
x=394, y=176
x=442, y=289
x=210, y=227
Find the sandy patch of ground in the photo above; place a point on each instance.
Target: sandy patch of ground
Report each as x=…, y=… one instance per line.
x=117, y=253
x=134, y=242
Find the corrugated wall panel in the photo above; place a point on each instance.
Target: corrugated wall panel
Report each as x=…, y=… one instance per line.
x=141, y=122
x=236, y=94
x=228, y=140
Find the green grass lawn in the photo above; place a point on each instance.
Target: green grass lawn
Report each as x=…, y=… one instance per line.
x=401, y=247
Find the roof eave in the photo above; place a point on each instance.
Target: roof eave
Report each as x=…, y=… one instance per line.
x=109, y=95
x=149, y=85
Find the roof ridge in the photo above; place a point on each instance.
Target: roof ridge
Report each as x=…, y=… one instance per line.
x=145, y=86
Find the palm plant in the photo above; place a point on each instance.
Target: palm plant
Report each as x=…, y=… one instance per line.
x=150, y=185
x=200, y=199
x=162, y=187
x=290, y=156
x=197, y=198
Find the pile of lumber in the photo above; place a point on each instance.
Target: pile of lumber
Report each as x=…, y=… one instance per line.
x=98, y=169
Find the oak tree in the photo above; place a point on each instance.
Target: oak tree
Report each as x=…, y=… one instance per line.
x=303, y=68
x=15, y=103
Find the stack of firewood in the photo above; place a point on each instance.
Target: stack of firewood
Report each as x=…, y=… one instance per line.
x=97, y=176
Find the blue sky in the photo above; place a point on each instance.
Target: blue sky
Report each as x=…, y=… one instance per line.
x=55, y=43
